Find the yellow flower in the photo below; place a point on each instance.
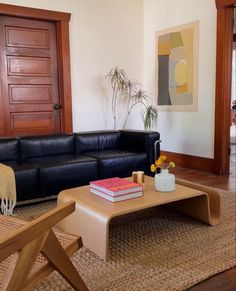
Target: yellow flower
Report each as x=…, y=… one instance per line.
x=162, y=158
x=153, y=168
x=160, y=161
x=171, y=165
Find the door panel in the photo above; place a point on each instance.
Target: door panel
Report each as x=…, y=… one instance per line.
x=29, y=76
x=18, y=51
x=30, y=94
x=31, y=120
x=22, y=66
x=28, y=66
x=27, y=37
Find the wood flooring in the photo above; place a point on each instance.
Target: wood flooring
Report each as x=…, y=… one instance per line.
x=225, y=281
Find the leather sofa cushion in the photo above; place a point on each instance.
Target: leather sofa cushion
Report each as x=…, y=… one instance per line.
x=109, y=154
x=39, y=146
x=141, y=141
x=57, y=177
x=9, y=149
x=27, y=181
x=95, y=141
x=58, y=160
x=117, y=163
x=135, y=141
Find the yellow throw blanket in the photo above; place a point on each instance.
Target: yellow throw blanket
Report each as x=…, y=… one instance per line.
x=7, y=189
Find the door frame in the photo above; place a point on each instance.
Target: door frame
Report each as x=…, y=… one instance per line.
x=61, y=20
x=223, y=84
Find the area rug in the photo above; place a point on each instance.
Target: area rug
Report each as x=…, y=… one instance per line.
x=152, y=250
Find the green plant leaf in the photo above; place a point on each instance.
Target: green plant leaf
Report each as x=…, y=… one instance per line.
x=140, y=96
x=150, y=116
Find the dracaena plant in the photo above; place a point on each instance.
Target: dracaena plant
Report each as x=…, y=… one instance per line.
x=133, y=95
x=118, y=81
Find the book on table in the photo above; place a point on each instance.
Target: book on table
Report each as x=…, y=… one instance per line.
x=116, y=189
x=115, y=186
x=116, y=198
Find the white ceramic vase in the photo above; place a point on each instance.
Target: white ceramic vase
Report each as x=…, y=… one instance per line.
x=164, y=181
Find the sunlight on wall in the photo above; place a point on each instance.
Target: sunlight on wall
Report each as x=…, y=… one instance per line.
x=185, y=132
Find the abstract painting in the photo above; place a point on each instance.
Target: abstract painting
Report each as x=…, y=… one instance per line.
x=177, y=62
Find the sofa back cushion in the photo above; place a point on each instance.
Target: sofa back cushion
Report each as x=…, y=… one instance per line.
x=138, y=140
x=96, y=140
x=9, y=149
x=39, y=146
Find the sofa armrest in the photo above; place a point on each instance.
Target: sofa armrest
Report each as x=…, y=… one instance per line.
x=141, y=141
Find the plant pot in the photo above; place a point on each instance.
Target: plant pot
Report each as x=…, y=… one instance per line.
x=164, y=181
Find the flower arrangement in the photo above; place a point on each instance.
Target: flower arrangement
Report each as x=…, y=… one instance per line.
x=161, y=163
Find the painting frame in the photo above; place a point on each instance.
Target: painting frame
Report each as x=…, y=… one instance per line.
x=176, y=81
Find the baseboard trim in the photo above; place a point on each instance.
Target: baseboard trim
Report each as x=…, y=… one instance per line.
x=190, y=162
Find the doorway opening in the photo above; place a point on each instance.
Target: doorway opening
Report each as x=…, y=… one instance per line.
x=233, y=104
x=225, y=15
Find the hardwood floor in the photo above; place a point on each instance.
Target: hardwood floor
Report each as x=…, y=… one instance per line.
x=227, y=182
x=225, y=281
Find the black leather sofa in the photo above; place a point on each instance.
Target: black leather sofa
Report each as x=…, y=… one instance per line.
x=45, y=165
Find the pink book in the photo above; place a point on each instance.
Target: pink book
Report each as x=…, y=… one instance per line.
x=115, y=186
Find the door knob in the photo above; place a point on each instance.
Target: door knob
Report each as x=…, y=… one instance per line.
x=57, y=106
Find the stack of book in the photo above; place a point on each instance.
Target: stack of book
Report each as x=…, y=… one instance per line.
x=116, y=189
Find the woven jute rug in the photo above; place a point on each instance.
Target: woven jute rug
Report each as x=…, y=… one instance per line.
x=157, y=249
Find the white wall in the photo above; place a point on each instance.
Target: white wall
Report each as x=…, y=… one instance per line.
x=103, y=34
x=185, y=132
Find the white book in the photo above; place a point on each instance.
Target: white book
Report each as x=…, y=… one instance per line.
x=117, y=198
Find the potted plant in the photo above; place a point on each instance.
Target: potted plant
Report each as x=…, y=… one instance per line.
x=132, y=93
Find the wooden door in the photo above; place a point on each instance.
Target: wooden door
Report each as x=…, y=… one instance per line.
x=29, y=94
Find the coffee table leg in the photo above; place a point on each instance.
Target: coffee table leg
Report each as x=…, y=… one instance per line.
x=205, y=208
x=90, y=225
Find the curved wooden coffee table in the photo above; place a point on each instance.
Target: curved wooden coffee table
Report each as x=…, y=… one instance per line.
x=93, y=214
